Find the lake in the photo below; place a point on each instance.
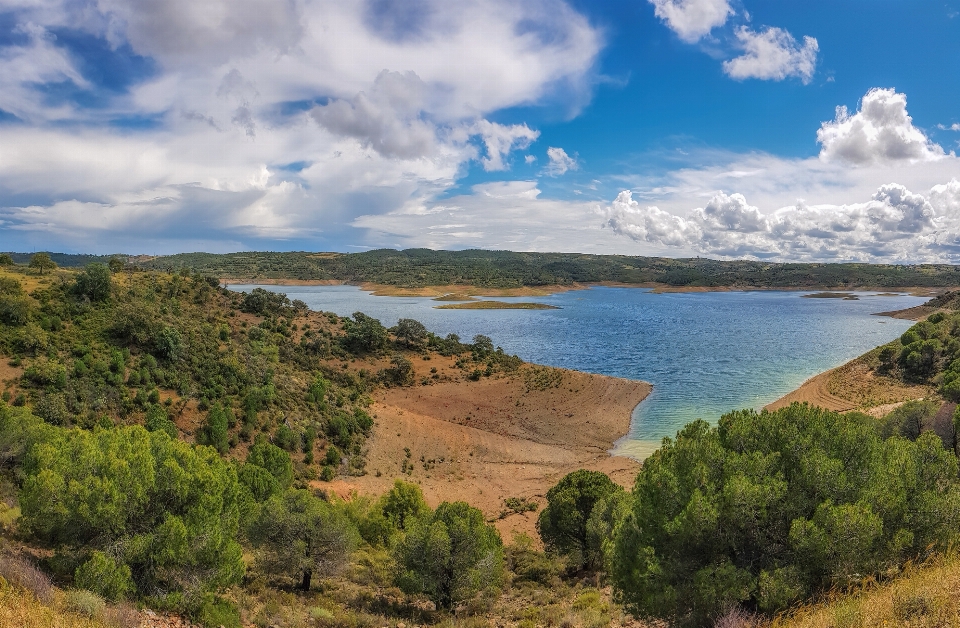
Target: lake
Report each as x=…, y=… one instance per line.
x=705, y=353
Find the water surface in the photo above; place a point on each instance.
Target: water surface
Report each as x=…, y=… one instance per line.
x=705, y=353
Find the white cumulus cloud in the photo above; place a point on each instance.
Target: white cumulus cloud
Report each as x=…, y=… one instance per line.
x=691, y=20
x=560, y=162
x=881, y=131
x=772, y=54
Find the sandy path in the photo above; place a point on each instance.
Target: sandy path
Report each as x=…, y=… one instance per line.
x=484, y=441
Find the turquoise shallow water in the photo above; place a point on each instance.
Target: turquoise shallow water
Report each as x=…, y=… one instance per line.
x=704, y=353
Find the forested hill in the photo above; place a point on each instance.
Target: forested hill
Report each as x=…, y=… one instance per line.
x=507, y=269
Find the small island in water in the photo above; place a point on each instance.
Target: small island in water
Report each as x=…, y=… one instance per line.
x=495, y=305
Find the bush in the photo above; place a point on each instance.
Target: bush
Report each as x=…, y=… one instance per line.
x=172, y=509
x=400, y=372
x=563, y=522
x=364, y=334
x=52, y=408
x=85, y=602
x=909, y=419
x=214, y=430
x=93, y=282
x=105, y=577
x=157, y=420
x=274, y=460
x=260, y=482
x=450, y=555
x=216, y=612
x=411, y=333
x=528, y=564
x=264, y=302
x=769, y=508
x=45, y=372
x=14, y=310
x=403, y=504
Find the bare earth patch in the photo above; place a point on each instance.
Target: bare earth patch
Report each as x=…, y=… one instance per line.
x=488, y=440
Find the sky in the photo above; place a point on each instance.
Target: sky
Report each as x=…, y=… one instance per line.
x=779, y=130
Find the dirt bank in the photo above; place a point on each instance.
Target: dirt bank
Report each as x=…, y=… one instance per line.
x=488, y=440
x=854, y=386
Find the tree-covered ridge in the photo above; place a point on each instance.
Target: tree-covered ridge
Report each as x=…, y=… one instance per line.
x=508, y=269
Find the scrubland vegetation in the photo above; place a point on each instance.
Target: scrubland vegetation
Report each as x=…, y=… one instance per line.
x=508, y=269
x=168, y=444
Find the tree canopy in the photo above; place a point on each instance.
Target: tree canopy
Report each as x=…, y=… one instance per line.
x=450, y=555
x=563, y=523
x=164, y=511
x=771, y=507
x=42, y=262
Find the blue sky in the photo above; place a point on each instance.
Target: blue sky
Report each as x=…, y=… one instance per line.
x=724, y=128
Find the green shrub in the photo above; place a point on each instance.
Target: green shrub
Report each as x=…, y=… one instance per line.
x=93, y=282
x=274, y=460
x=14, y=310
x=328, y=473
x=771, y=507
x=364, y=334
x=171, y=509
x=261, y=483
x=214, y=430
x=157, y=420
x=908, y=420
x=403, y=504
x=216, y=612
x=105, y=577
x=46, y=372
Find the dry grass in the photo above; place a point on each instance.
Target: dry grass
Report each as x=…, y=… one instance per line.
x=20, y=609
x=925, y=596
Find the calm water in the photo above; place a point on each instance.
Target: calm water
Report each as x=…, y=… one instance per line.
x=704, y=353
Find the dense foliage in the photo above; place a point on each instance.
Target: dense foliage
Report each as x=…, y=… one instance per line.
x=450, y=555
x=130, y=510
x=769, y=508
x=570, y=503
x=928, y=352
x=505, y=269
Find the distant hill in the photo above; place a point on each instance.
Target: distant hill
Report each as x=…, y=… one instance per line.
x=508, y=269
x=67, y=260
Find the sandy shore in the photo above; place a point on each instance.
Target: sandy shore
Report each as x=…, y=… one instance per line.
x=383, y=290
x=485, y=441
x=854, y=386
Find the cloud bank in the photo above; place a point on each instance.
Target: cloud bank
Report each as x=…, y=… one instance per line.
x=247, y=122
